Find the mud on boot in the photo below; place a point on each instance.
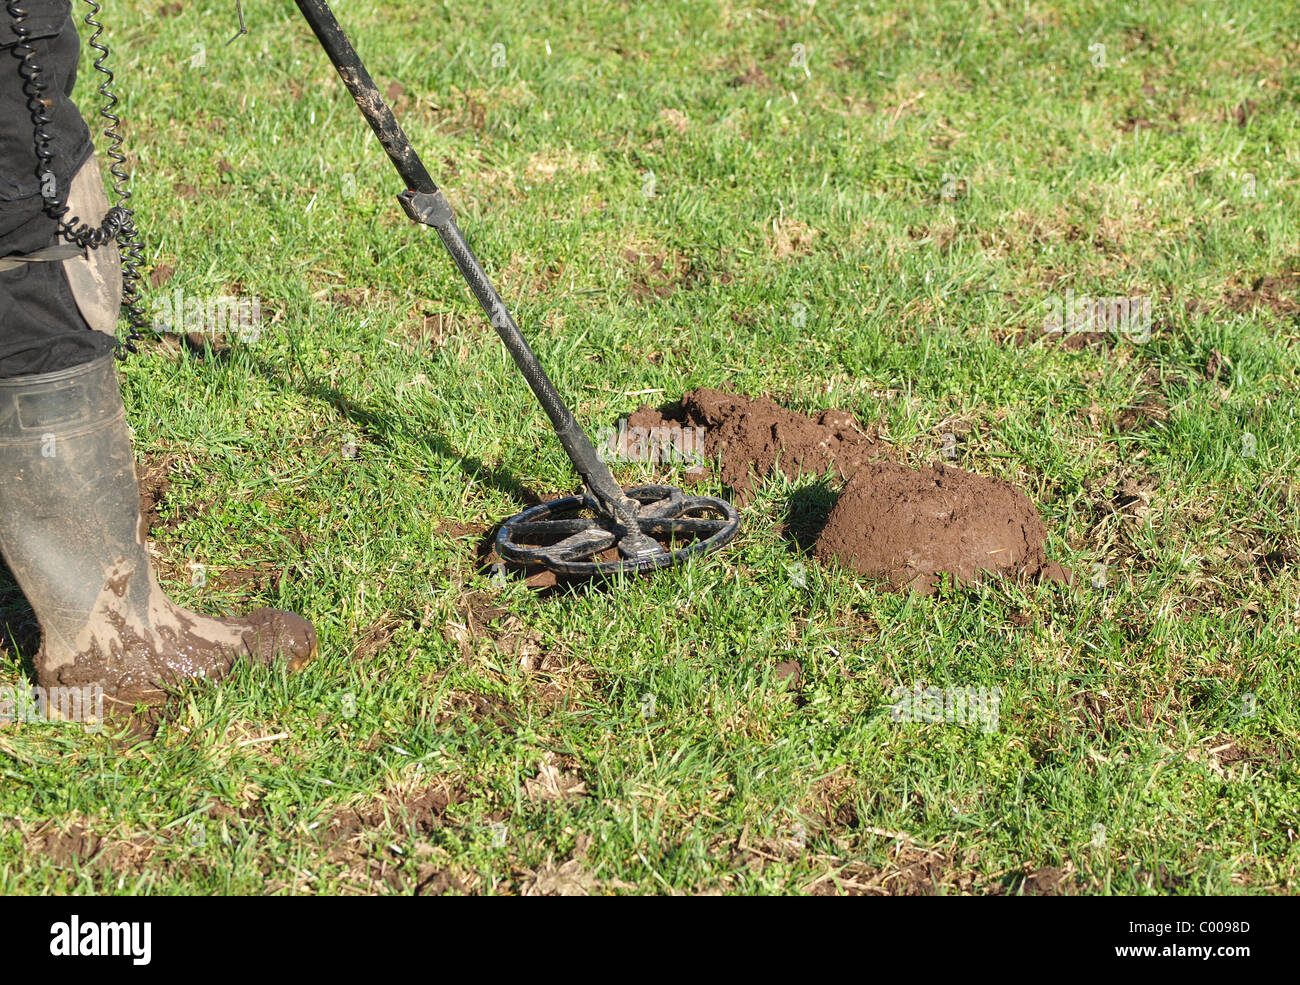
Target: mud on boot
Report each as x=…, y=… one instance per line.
x=72, y=534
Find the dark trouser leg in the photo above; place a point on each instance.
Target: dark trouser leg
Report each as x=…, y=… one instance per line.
x=42, y=325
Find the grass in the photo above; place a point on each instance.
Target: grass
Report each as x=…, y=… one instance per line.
x=879, y=224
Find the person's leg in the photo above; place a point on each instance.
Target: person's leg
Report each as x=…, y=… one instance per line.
x=42, y=327
x=70, y=526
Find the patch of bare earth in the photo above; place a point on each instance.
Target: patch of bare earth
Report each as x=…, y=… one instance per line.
x=1121, y=504
x=1271, y=555
x=1110, y=716
x=1278, y=293
x=479, y=621
x=1231, y=757
x=751, y=75
x=1046, y=880
x=153, y=473
x=544, y=166
x=556, y=780
x=910, y=871
x=657, y=274
x=377, y=635
x=432, y=331
x=375, y=840
x=557, y=682
x=91, y=844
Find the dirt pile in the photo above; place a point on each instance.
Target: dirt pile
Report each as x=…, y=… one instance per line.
x=908, y=526
x=756, y=437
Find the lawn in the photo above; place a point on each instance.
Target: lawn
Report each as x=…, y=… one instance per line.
x=867, y=206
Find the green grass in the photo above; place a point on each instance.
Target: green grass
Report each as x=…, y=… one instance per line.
x=882, y=232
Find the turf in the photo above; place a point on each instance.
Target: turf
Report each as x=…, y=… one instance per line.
x=674, y=195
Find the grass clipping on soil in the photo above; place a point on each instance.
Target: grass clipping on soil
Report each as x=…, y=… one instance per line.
x=904, y=526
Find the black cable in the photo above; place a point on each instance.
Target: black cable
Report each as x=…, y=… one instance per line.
x=118, y=224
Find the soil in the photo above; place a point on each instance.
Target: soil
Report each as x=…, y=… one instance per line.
x=359, y=837
x=910, y=526
x=78, y=847
x=377, y=636
x=1215, y=365
x=1150, y=408
x=1278, y=293
x=154, y=478
x=160, y=275
x=1046, y=880
x=654, y=275
x=757, y=437
x=902, y=525
x=752, y=76
x=910, y=871
x=790, y=672
x=422, y=811
x=433, y=331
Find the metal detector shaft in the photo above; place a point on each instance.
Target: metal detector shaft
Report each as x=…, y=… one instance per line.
x=424, y=203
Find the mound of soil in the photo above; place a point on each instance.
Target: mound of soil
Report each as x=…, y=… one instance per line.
x=756, y=437
x=908, y=526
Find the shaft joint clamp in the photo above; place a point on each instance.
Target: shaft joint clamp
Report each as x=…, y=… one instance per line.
x=429, y=208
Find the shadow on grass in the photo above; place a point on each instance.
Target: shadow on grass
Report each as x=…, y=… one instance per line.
x=20, y=633
x=806, y=512
x=380, y=425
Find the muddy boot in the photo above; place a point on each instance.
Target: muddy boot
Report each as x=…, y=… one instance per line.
x=71, y=532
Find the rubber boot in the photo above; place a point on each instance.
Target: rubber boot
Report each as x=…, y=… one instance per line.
x=72, y=534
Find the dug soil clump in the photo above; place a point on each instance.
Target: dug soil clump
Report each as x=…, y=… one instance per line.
x=904, y=526
x=909, y=526
x=755, y=437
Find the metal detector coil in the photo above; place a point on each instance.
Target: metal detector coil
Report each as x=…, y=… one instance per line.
x=571, y=537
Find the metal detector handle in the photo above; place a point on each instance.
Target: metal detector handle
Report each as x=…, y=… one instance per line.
x=424, y=203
